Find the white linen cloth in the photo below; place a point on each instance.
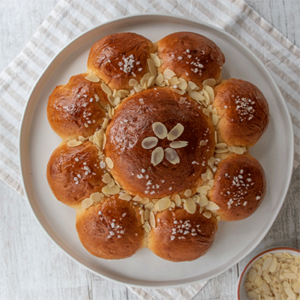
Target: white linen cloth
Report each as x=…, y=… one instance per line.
x=70, y=18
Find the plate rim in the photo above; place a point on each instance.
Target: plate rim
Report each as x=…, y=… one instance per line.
x=173, y=283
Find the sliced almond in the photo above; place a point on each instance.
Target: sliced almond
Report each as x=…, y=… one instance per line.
x=221, y=150
x=188, y=193
x=221, y=145
x=207, y=214
x=210, y=92
x=86, y=203
x=109, y=162
x=111, y=190
x=211, y=162
x=178, y=144
x=160, y=130
x=152, y=220
x=156, y=60
x=92, y=77
x=73, y=143
x=168, y=74
x=96, y=197
x=203, y=189
x=149, y=205
x=212, y=206
x=138, y=88
x=145, y=78
x=192, y=85
x=151, y=67
x=237, y=150
x=172, y=156
x=125, y=196
x=177, y=200
x=137, y=198
x=190, y=206
x=203, y=200
x=209, y=81
x=157, y=156
x=147, y=214
x=196, y=96
x=182, y=84
x=159, y=79
x=202, y=143
x=179, y=92
x=174, y=81
x=215, y=119
x=123, y=93
x=150, y=81
x=147, y=227
x=175, y=132
x=206, y=112
x=133, y=82
x=106, y=89
x=104, y=141
x=149, y=142
x=162, y=204
x=106, y=178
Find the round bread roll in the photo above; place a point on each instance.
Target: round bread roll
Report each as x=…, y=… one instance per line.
x=191, y=56
x=148, y=159
x=77, y=108
x=119, y=57
x=75, y=173
x=111, y=229
x=239, y=187
x=181, y=236
x=244, y=112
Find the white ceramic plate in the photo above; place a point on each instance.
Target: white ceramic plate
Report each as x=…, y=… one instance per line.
x=241, y=291
x=234, y=240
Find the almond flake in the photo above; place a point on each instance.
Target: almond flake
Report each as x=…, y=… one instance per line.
x=215, y=119
x=111, y=190
x=106, y=178
x=92, y=77
x=203, y=189
x=156, y=60
x=221, y=150
x=188, y=193
x=145, y=78
x=133, y=82
x=190, y=206
x=125, y=196
x=221, y=145
x=150, y=81
x=106, y=89
x=212, y=206
x=162, y=204
x=192, y=85
x=202, y=143
x=123, y=93
x=152, y=220
x=109, y=162
x=168, y=74
x=73, y=143
x=237, y=150
x=172, y=156
x=149, y=205
x=96, y=197
x=210, y=92
x=159, y=79
x=196, y=96
x=137, y=198
x=175, y=132
x=203, y=200
x=211, y=162
x=149, y=142
x=182, y=84
x=86, y=203
x=160, y=130
x=177, y=200
x=209, y=81
x=207, y=215
x=104, y=141
x=147, y=214
x=151, y=67
x=157, y=156
x=147, y=227
x=178, y=144
x=174, y=81
x=179, y=92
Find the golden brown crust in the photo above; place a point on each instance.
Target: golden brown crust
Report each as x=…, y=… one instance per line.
x=132, y=123
x=191, y=56
x=111, y=229
x=239, y=187
x=119, y=57
x=244, y=112
x=181, y=236
x=74, y=173
x=77, y=108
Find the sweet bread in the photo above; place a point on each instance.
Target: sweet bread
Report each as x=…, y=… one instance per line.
x=155, y=148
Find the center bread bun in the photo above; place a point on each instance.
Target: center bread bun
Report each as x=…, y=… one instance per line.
x=138, y=119
x=155, y=148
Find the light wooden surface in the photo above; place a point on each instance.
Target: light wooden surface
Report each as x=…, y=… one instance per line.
x=32, y=267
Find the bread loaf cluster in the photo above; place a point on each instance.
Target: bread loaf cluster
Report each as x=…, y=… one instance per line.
x=155, y=148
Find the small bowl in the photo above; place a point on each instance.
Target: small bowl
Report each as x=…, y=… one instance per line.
x=241, y=291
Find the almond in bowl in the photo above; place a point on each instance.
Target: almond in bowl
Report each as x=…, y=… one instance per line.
x=272, y=275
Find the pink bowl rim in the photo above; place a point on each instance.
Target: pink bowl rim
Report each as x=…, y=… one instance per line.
x=254, y=258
